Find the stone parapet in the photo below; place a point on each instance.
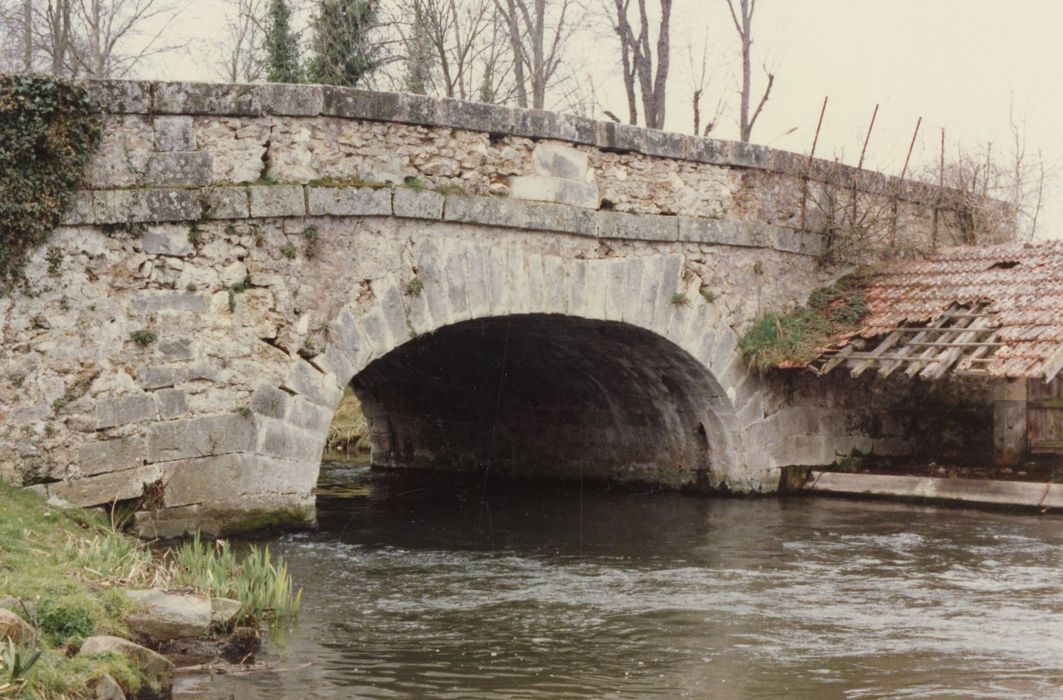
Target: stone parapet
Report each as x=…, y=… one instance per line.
x=280, y=100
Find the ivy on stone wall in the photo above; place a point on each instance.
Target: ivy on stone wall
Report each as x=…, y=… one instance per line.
x=48, y=131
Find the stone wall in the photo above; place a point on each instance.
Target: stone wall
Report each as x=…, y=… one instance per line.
x=242, y=252
x=182, y=134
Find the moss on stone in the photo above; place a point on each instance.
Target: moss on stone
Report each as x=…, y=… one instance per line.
x=267, y=520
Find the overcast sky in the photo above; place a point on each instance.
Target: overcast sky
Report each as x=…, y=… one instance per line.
x=970, y=66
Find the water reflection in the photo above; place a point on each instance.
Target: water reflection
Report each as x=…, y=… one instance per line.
x=432, y=586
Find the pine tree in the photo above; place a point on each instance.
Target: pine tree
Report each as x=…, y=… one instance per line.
x=282, y=48
x=343, y=52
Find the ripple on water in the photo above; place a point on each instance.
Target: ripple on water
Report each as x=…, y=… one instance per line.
x=732, y=599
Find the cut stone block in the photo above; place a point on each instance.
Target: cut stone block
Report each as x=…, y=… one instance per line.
x=111, y=412
x=185, y=168
x=555, y=160
x=111, y=455
x=200, y=437
x=166, y=239
x=553, y=189
x=409, y=203
x=349, y=201
x=167, y=301
x=277, y=200
x=174, y=133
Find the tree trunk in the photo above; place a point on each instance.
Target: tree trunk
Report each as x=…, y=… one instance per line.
x=627, y=46
x=745, y=127
x=538, y=56
x=660, y=82
x=518, y=54
x=27, y=36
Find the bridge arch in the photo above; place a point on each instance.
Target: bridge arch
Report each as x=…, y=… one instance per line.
x=616, y=331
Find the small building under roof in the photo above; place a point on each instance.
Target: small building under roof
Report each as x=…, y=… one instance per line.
x=993, y=312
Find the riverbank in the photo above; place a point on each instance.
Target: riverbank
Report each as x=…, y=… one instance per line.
x=85, y=610
x=349, y=432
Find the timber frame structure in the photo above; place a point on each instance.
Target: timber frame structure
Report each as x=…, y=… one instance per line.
x=963, y=339
x=993, y=312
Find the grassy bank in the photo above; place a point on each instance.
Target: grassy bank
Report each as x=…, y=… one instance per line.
x=349, y=431
x=67, y=570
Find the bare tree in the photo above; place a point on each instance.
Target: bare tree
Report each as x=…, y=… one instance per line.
x=452, y=47
x=57, y=23
x=743, y=23
x=637, y=59
x=539, y=32
x=241, y=57
x=12, y=57
x=700, y=77
x=990, y=199
x=101, y=38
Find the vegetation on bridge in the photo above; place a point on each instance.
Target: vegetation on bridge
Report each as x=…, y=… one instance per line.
x=48, y=132
x=794, y=338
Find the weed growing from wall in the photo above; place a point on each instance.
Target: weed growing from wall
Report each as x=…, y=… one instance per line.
x=48, y=132
x=795, y=338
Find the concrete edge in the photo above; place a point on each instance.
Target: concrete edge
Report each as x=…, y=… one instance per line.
x=276, y=99
x=1025, y=494
x=145, y=206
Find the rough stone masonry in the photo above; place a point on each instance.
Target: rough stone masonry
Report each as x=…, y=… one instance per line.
x=242, y=252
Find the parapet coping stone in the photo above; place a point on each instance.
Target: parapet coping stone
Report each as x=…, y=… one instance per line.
x=305, y=100
x=116, y=208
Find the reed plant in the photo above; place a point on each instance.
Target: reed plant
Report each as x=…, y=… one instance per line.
x=262, y=586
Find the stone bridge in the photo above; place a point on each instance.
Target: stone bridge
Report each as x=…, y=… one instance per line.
x=538, y=293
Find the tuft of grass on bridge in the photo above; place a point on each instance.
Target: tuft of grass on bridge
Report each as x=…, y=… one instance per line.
x=795, y=338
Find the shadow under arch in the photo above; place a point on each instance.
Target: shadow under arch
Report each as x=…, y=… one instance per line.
x=548, y=396
x=614, y=369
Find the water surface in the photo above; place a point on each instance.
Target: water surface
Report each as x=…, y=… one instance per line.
x=429, y=586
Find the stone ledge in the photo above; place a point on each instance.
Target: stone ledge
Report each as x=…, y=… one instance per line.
x=221, y=99
x=509, y=213
x=116, y=207
x=976, y=491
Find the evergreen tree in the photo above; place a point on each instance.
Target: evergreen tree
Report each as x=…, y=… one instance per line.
x=419, y=55
x=343, y=52
x=487, y=92
x=282, y=48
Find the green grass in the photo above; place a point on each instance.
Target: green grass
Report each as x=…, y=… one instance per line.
x=66, y=588
x=143, y=337
x=796, y=337
x=352, y=181
x=70, y=567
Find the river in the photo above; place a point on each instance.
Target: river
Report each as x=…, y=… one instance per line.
x=432, y=586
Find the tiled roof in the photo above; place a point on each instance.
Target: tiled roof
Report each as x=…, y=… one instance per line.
x=1017, y=287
